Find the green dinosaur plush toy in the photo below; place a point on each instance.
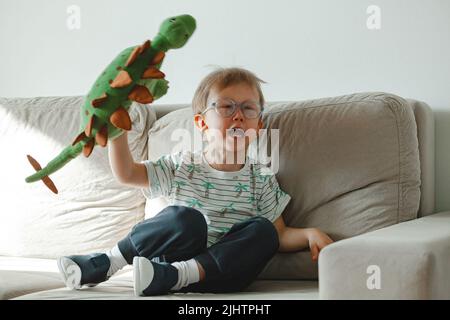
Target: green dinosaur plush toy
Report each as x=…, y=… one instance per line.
x=134, y=75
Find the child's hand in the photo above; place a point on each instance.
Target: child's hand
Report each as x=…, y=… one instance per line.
x=317, y=241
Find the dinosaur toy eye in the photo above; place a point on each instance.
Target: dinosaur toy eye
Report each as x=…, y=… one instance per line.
x=172, y=20
x=186, y=36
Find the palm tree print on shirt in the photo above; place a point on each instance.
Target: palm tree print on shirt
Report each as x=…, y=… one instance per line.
x=191, y=168
x=159, y=164
x=252, y=200
x=262, y=177
x=228, y=208
x=278, y=194
x=207, y=186
x=239, y=187
x=179, y=184
x=270, y=182
x=253, y=177
x=194, y=202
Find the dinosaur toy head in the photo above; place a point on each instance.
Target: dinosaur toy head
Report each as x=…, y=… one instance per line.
x=177, y=30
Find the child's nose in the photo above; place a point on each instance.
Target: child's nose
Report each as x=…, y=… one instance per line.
x=238, y=116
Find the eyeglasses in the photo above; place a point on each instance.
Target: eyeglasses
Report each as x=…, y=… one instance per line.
x=227, y=108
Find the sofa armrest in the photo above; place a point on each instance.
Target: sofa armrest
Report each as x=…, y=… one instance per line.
x=409, y=260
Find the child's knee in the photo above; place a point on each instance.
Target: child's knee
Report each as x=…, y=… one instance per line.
x=188, y=220
x=182, y=223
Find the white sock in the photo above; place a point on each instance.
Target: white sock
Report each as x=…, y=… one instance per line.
x=117, y=261
x=187, y=273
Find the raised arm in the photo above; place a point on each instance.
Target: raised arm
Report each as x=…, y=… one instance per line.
x=124, y=169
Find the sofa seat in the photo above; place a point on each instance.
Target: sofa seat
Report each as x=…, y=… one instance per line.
x=36, y=279
x=19, y=276
x=121, y=287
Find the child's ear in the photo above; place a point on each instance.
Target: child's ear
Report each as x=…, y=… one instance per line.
x=200, y=122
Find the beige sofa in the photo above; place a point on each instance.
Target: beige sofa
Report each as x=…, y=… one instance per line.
x=360, y=167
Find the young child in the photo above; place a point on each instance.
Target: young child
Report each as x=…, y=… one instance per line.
x=224, y=222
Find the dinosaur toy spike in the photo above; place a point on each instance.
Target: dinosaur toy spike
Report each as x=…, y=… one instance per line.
x=133, y=56
x=145, y=45
x=89, y=126
x=158, y=58
x=121, y=119
x=152, y=73
x=140, y=94
x=123, y=79
x=101, y=138
x=79, y=138
x=88, y=147
x=49, y=183
x=98, y=101
x=134, y=75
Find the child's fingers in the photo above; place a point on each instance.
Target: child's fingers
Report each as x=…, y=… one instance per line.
x=314, y=252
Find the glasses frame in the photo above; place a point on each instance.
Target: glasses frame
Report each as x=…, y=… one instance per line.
x=235, y=106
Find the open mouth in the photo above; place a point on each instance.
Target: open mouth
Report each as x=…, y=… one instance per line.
x=236, y=132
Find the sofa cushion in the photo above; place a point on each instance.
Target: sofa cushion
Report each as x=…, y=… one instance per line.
x=92, y=211
x=350, y=163
x=355, y=165
x=120, y=287
x=19, y=276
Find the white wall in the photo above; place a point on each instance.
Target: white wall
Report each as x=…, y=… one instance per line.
x=303, y=49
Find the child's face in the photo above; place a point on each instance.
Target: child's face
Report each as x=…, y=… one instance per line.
x=215, y=126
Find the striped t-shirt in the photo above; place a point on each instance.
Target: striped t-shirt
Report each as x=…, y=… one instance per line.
x=223, y=197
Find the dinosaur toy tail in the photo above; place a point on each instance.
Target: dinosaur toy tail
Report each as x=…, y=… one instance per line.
x=57, y=163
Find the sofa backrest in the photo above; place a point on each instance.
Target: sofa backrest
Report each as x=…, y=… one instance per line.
x=423, y=116
x=425, y=135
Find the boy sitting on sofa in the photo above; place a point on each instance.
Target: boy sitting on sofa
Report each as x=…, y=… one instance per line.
x=224, y=223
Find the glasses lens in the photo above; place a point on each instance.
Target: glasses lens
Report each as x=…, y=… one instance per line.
x=224, y=108
x=251, y=109
x=227, y=108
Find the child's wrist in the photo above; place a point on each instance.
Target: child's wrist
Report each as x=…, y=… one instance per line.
x=309, y=233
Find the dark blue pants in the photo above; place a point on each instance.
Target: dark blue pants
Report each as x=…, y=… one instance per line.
x=179, y=233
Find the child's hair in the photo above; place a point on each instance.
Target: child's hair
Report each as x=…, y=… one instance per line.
x=222, y=78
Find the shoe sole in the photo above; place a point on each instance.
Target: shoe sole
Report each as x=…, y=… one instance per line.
x=70, y=273
x=141, y=281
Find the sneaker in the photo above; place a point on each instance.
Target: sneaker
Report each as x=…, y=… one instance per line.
x=152, y=278
x=89, y=270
